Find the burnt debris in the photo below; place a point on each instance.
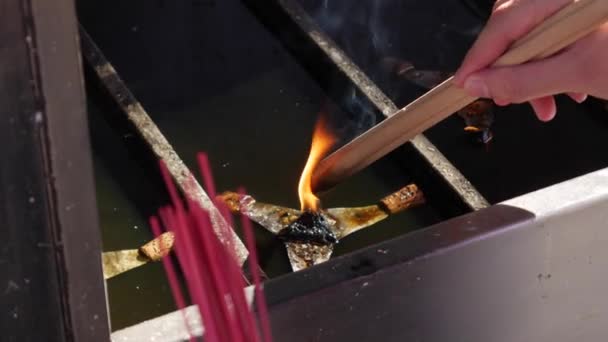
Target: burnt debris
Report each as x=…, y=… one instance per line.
x=310, y=227
x=478, y=118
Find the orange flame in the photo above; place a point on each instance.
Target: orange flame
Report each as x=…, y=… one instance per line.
x=322, y=141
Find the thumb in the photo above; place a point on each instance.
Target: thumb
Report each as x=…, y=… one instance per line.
x=521, y=83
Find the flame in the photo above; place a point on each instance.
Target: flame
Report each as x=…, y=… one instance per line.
x=322, y=141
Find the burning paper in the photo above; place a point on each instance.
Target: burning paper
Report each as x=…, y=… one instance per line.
x=310, y=237
x=309, y=234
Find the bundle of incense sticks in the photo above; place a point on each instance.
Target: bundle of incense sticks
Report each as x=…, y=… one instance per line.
x=212, y=275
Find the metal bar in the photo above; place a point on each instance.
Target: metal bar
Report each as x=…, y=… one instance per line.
x=152, y=135
x=50, y=267
x=430, y=154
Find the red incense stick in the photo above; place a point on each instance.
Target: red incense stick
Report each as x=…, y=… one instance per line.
x=213, y=277
x=255, y=273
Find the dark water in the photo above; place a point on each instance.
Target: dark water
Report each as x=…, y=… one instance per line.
x=244, y=101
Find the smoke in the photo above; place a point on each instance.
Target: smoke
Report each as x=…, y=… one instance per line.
x=358, y=117
x=357, y=29
x=403, y=32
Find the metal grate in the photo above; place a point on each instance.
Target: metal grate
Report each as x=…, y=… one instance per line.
x=436, y=172
x=439, y=173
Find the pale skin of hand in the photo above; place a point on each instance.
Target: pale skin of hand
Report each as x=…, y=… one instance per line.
x=579, y=70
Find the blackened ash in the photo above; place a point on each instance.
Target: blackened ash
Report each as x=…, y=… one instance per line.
x=310, y=227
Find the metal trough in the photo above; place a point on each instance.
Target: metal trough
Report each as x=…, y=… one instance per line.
x=528, y=269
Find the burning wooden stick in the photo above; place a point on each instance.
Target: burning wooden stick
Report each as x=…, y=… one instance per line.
x=118, y=262
x=309, y=236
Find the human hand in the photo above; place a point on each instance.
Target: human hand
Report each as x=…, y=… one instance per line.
x=578, y=70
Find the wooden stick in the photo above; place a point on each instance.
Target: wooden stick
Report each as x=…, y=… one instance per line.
x=560, y=30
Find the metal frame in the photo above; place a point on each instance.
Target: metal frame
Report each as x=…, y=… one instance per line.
x=50, y=254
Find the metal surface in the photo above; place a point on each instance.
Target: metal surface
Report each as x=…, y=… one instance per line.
x=436, y=161
x=50, y=267
x=152, y=136
x=530, y=269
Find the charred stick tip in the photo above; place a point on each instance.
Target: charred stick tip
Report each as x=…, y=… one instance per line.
x=158, y=248
x=232, y=200
x=403, y=199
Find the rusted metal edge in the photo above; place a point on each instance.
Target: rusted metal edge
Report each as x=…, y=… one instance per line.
x=429, y=152
x=153, y=137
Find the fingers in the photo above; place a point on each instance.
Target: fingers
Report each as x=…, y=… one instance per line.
x=577, y=97
x=521, y=83
x=544, y=108
x=510, y=20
